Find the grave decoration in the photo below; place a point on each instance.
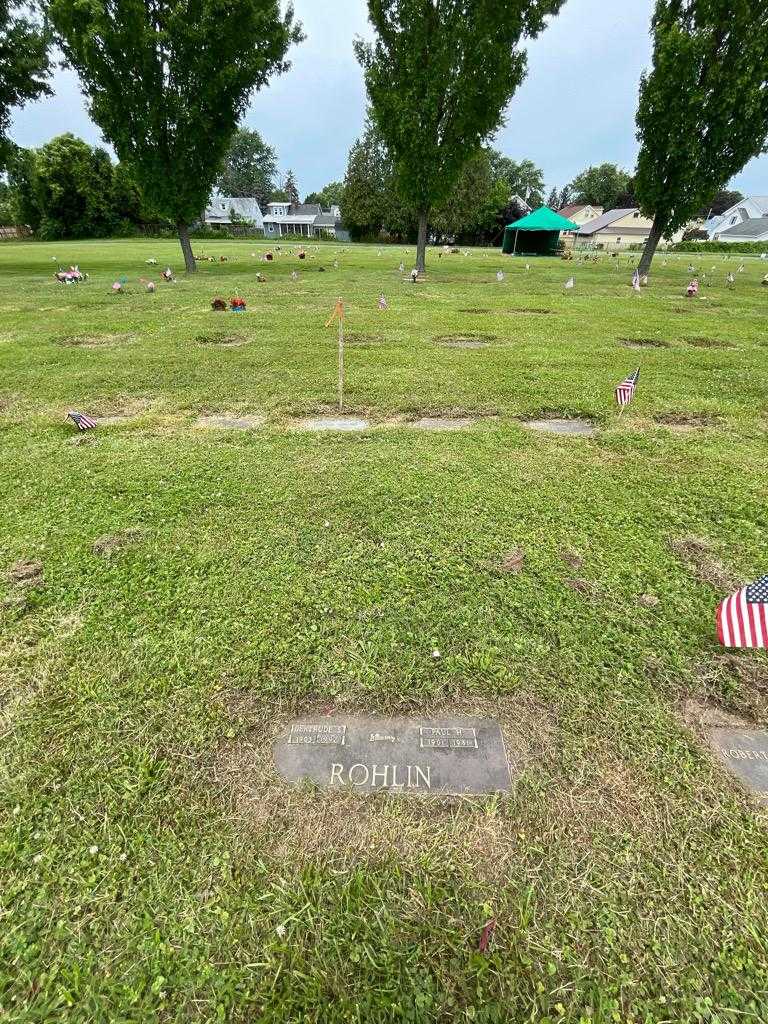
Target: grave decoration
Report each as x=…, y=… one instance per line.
x=742, y=618
x=81, y=420
x=219, y=304
x=237, y=304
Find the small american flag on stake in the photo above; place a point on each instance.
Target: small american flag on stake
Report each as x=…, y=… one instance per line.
x=81, y=421
x=625, y=392
x=742, y=618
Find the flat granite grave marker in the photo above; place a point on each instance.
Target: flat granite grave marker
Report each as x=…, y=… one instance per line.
x=403, y=755
x=744, y=752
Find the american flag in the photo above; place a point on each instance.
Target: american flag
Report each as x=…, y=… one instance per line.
x=625, y=392
x=636, y=280
x=742, y=618
x=81, y=421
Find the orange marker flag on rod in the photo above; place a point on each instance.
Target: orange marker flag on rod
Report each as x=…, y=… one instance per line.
x=338, y=314
x=338, y=311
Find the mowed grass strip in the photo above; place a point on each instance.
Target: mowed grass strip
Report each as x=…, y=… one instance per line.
x=194, y=589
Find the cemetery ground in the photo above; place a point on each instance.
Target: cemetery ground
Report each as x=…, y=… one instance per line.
x=174, y=591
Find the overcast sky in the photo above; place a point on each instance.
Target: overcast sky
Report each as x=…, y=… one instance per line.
x=575, y=108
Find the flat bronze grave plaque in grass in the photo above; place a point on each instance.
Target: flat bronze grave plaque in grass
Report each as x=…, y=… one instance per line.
x=745, y=753
x=418, y=756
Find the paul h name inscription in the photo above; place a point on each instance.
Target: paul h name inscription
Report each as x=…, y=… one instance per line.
x=403, y=755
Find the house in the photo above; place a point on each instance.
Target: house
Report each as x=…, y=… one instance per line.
x=307, y=219
x=753, y=208
x=753, y=230
x=581, y=213
x=222, y=211
x=618, y=229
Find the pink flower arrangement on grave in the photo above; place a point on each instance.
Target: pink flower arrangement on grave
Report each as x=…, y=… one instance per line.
x=693, y=289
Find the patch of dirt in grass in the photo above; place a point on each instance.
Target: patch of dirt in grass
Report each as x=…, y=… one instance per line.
x=224, y=340
x=25, y=574
x=644, y=343
x=475, y=310
x=587, y=588
x=464, y=340
x=114, y=414
x=530, y=311
x=513, y=561
x=686, y=421
x=698, y=555
x=576, y=427
x=362, y=339
x=299, y=822
x=93, y=340
x=572, y=558
x=708, y=343
x=111, y=543
x=733, y=684
x=648, y=601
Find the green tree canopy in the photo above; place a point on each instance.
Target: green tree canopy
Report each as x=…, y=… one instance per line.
x=291, y=189
x=723, y=200
x=74, y=184
x=523, y=178
x=600, y=186
x=167, y=82
x=703, y=109
x=330, y=195
x=249, y=168
x=24, y=64
x=439, y=76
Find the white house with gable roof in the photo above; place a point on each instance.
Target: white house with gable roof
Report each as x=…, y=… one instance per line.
x=222, y=211
x=719, y=228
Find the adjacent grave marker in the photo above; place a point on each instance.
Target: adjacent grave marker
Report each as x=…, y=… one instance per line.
x=404, y=755
x=744, y=752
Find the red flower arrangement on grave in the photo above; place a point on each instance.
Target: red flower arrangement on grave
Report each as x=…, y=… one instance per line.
x=236, y=304
x=218, y=304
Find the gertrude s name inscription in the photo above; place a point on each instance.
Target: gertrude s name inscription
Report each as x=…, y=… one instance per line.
x=398, y=754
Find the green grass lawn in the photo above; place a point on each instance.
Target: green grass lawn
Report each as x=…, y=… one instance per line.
x=154, y=867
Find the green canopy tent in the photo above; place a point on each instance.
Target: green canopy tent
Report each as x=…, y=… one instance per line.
x=542, y=230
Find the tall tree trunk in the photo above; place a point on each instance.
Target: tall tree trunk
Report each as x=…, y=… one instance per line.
x=186, y=247
x=421, y=244
x=650, y=247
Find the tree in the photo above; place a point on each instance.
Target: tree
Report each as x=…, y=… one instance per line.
x=73, y=184
x=553, y=202
x=438, y=77
x=24, y=198
x=703, y=108
x=291, y=189
x=472, y=207
x=330, y=195
x=723, y=201
x=369, y=174
x=565, y=196
x=523, y=178
x=600, y=186
x=249, y=168
x=24, y=64
x=167, y=82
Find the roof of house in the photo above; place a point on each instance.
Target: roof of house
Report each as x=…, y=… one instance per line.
x=219, y=209
x=543, y=219
x=753, y=228
x=571, y=208
x=302, y=210
x=605, y=221
x=325, y=220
